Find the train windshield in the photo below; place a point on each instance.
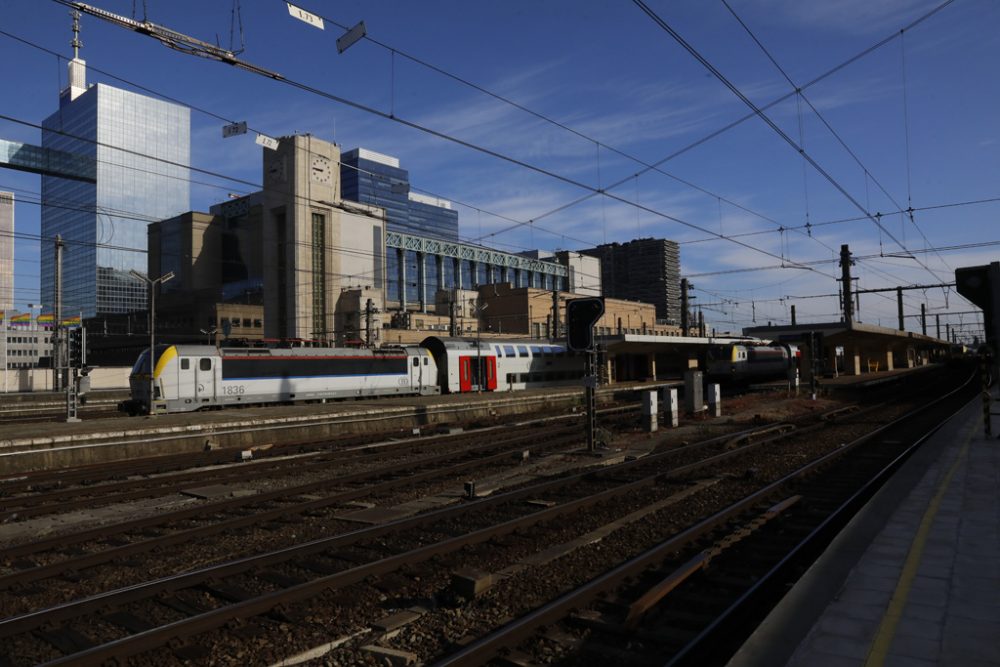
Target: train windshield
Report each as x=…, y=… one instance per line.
x=141, y=366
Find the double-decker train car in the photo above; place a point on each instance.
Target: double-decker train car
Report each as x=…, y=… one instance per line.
x=194, y=377
x=470, y=365
x=740, y=362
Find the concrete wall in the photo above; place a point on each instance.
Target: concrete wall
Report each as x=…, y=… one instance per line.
x=40, y=379
x=584, y=273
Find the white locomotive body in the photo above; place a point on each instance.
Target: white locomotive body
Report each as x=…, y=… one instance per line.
x=193, y=377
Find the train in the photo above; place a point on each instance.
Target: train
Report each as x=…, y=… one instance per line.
x=741, y=362
x=186, y=378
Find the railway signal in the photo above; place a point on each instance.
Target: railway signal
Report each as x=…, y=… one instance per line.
x=77, y=344
x=581, y=315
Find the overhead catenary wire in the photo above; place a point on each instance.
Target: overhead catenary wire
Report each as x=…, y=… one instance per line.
x=742, y=119
x=840, y=140
x=515, y=161
x=541, y=116
x=770, y=123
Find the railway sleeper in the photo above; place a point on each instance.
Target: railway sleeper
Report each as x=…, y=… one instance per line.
x=182, y=606
x=65, y=639
x=129, y=621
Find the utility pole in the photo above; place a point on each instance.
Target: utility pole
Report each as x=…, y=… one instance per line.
x=452, y=318
x=812, y=364
x=845, y=278
x=793, y=315
x=937, y=321
x=555, y=309
x=923, y=318
x=701, y=323
x=369, y=310
x=899, y=306
x=684, y=306
x=57, y=341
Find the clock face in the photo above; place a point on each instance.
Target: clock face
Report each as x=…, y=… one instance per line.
x=319, y=170
x=277, y=168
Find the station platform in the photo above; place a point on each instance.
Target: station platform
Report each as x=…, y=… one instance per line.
x=914, y=579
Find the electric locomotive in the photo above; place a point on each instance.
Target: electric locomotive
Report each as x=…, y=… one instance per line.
x=195, y=377
x=741, y=363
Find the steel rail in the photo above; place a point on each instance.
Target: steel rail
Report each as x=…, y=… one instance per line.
x=73, y=609
x=28, y=575
x=146, y=640
x=524, y=627
x=829, y=526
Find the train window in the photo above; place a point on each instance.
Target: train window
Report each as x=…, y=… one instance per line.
x=416, y=362
x=522, y=350
x=205, y=364
x=185, y=364
x=257, y=324
x=499, y=351
x=246, y=322
x=508, y=350
x=426, y=361
x=536, y=351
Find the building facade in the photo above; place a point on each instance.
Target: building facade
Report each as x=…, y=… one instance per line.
x=529, y=312
x=647, y=270
x=317, y=244
x=289, y=262
x=373, y=178
x=6, y=251
x=141, y=147
x=24, y=346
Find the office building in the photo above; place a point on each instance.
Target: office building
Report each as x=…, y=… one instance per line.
x=6, y=251
x=645, y=270
x=141, y=146
x=372, y=178
x=292, y=261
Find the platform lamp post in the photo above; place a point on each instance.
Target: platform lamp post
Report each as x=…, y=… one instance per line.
x=480, y=307
x=152, y=325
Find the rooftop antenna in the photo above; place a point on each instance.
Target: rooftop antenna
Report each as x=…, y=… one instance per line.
x=76, y=43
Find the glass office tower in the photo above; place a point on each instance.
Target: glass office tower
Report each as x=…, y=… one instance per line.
x=368, y=177
x=142, y=146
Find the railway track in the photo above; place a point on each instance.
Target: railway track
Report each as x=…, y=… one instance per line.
x=693, y=598
x=332, y=568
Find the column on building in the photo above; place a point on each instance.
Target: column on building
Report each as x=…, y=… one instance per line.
x=422, y=281
x=439, y=269
x=457, y=263
x=401, y=257
x=474, y=270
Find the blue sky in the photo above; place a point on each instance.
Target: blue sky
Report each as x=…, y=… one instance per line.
x=611, y=74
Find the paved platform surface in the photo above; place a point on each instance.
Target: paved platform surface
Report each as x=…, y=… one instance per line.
x=914, y=579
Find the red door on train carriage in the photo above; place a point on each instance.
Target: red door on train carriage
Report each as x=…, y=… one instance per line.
x=477, y=373
x=465, y=373
x=491, y=373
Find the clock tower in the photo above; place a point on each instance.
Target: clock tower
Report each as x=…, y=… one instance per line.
x=315, y=246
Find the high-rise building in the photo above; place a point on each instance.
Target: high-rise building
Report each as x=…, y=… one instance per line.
x=646, y=270
x=368, y=177
x=6, y=253
x=141, y=146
